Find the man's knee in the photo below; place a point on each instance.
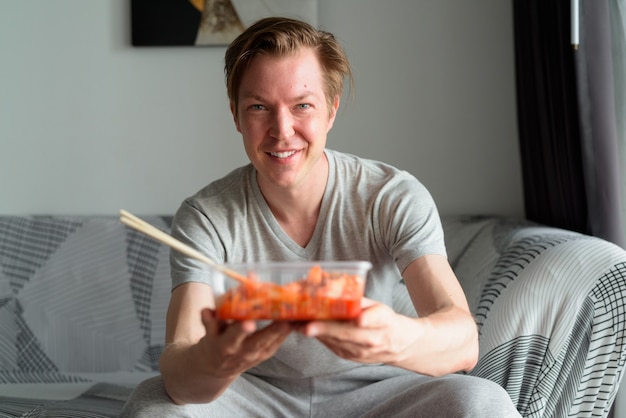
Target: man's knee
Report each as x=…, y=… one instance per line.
x=468, y=396
x=149, y=399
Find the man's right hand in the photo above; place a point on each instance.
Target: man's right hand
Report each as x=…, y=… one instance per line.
x=232, y=347
x=203, y=355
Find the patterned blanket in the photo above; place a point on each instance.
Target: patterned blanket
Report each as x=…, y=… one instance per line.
x=83, y=300
x=550, y=308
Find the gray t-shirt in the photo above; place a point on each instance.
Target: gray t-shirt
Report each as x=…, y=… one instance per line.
x=370, y=211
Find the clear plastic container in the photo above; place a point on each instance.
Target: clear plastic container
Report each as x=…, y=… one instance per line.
x=293, y=291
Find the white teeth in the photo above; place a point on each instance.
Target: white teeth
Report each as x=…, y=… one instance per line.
x=282, y=154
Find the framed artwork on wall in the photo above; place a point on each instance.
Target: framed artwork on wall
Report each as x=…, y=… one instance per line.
x=207, y=22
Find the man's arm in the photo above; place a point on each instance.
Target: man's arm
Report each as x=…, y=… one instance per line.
x=203, y=355
x=442, y=340
x=450, y=334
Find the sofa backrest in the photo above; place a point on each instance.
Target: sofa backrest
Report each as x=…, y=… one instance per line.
x=80, y=295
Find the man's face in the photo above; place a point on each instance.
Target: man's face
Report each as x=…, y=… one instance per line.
x=283, y=117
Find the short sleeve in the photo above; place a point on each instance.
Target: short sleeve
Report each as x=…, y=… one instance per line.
x=409, y=221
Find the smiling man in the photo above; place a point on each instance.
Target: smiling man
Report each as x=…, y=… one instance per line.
x=299, y=201
x=284, y=117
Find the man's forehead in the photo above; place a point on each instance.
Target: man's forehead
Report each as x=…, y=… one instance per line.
x=264, y=94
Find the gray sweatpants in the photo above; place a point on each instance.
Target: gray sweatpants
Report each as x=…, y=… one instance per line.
x=372, y=391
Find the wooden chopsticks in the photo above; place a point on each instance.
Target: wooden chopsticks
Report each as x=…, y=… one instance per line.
x=140, y=225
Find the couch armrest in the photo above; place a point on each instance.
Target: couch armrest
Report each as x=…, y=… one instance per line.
x=551, y=316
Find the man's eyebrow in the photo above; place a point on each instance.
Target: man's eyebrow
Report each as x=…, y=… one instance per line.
x=250, y=95
x=303, y=96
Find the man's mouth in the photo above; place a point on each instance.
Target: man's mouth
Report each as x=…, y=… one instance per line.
x=284, y=154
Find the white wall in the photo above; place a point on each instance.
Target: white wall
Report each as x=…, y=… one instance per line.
x=89, y=124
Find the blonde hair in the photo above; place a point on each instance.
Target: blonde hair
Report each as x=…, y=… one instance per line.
x=279, y=36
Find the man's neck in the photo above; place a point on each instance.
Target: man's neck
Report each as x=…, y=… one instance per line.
x=297, y=209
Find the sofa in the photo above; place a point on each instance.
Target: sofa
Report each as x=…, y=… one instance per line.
x=83, y=301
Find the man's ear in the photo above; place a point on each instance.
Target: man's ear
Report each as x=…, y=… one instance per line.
x=233, y=111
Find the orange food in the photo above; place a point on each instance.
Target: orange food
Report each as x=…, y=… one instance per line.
x=320, y=295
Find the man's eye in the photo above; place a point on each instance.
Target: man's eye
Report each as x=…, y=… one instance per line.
x=304, y=106
x=257, y=107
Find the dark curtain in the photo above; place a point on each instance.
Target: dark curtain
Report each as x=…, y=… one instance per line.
x=554, y=192
x=566, y=118
x=596, y=88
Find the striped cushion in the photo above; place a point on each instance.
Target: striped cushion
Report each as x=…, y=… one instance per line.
x=81, y=300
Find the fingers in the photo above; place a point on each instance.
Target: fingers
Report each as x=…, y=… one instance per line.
x=266, y=341
x=234, y=329
x=226, y=338
x=367, y=339
x=243, y=337
x=365, y=351
x=316, y=329
x=375, y=316
x=236, y=346
x=367, y=319
x=366, y=303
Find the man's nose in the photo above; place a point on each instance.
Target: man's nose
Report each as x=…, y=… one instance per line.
x=282, y=124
